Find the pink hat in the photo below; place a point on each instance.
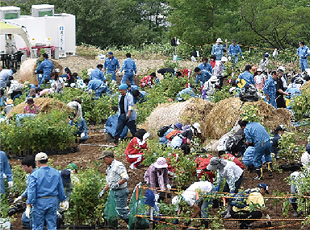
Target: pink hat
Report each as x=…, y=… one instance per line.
x=161, y=163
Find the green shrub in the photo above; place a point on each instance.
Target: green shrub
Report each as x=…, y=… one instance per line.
x=46, y=132
x=249, y=113
x=301, y=104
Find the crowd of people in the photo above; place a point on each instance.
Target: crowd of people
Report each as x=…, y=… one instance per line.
x=249, y=148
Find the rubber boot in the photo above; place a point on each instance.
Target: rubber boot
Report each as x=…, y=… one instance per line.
x=295, y=207
x=259, y=172
x=269, y=168
x=204, y=224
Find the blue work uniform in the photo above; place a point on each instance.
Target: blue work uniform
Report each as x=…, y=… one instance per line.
x=256, y=133
x=47, y=66
x=133, y=87
x=99, y=87
x=122, y=117
x=248, y=77
x=248, y=157
x=129, y=67
x=97, y=74
x=218, y=51
x=111, y=124
x=5, y=169
x=187, y=91
x=141, y=98
x=163, y=140
x=206, y=67
x=270, y=88
x=4, y=77
x=81, y=128
x=233, y=52
x=203, y=77
x=45, y=190
x=25, y=220
x=303, y=53
x=111, y=65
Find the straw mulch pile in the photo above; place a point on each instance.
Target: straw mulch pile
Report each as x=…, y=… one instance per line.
x=188, y=112
x=225, y=113
x=27, y=68
x=45, y=104
x=306, y=86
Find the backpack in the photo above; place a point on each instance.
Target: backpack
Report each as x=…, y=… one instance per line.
x=233, y=141
x=162, y=130
x=172, y=134
x=239, y=200
x=249, y=94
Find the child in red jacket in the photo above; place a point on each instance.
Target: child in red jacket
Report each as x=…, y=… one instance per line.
x=136, y=147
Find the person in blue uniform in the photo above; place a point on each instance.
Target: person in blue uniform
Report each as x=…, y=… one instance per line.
x=218, y=49
x=129, y=67
x=82, y=130
x=139, y=96
x=5, y=169
x=205, y=65
x=201, y=76
x=98, y=86
x=45, y=190
x=46, y=67
x=257, y=136
x=247, y=76
x=233, y=51
x=303, y=52
x=97, y=74
x=270, y=89
x=111, y=66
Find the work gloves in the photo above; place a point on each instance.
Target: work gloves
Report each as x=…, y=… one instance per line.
x=101, y=194
x=27, y=212
x=242, y=57
x=10, y=184
x=168, y=187
x=82, y=135
x=114, y=186
x=64, y=205
x=17, y=199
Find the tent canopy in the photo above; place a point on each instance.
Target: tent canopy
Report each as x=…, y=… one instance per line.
x=6, y=28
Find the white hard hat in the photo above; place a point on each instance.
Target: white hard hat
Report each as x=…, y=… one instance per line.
x=197, y=127
x=219, y=40
x=224, y=59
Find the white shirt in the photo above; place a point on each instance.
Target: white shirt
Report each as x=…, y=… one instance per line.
x=202, y=187
x=305, y=159
x=231, y=172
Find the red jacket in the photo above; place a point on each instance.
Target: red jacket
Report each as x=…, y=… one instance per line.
x=230, y=157
x=202, y=163
x=146, y=81
x=168, y=159
x=135, y=147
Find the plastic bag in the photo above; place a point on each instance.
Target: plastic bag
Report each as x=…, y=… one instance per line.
x=110, y=213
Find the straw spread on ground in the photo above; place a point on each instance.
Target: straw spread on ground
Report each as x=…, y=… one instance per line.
x=306, y=86
x=27, y=68
x=45, y=104
x=188, y=112
x=225, y=113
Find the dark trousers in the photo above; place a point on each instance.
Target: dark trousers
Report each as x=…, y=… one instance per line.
x=246, y=215
x=121, y=123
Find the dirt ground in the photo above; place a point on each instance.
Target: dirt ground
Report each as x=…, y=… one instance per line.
x=88, y=154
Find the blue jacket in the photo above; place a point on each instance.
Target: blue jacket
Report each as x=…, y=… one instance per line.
x=45, y=182
x=303, y=52
x=25, y=194
x=203, y=77
x=256, y=133
x=4, y=169
x=4, y=75
x=111, y=64
x=97, y=74
x=111, y=124
x=234, y=50
x=270, y=87
x=218, y=51
x=140, y=99
x=128, y=105
x=81, y=126
x=248, y=156
x=94, y=84
x=187, y=91
x=129, y=66
x=248, y=77
x=47, y=66
x=206, y=67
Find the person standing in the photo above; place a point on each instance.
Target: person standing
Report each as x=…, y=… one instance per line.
x=111, y=66
x=270, y=89
x=129, y=67
x=10, y=45
x=303, y=52
x=257, y=135
x=205, y=65
x=218, y=49
x=126, y=113
x=263, y=63
x=97, y=74
x=259, y=79
x=233, y=51
x=5, y=169
x=116, y=178
x=280, y=90
x=45, y=190
x=47, y=67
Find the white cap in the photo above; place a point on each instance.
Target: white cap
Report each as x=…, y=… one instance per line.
x=197, y=127
x=41, y=156
x=259, y=70
x=219, y=40
x=57, y=70
x=224, y=59
x=213, y=78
